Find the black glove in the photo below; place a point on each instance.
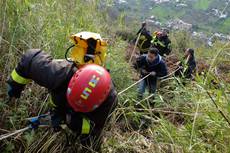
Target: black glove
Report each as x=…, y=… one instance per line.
x=144, y=72
x=35, y=122
x=74, y=122
x=14, y=89
x=56, y=122
x=153, y=73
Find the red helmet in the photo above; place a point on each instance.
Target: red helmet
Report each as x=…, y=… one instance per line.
x=159, y=33
x=88, y=88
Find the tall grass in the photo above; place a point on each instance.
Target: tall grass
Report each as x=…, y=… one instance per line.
x=45, y=24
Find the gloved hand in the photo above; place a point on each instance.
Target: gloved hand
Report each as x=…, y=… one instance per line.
x=43, y=119
x=144, y=72
x=73, y=121
x=153, y=73
x=14, y=89
x=34, y=122
x=56, y=122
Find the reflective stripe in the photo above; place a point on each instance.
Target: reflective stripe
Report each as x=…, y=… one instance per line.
x=51, y=103
x=155, y=41
x=169, y=46
x=19, y=79
x=160, y=43
x=85, y=126
x=144, y=40
x=141, y=44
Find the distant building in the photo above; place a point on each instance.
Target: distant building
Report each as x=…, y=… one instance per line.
x=181, y=5
x=219, y=13
x=160, y=1
x=178, y=24
x=122, y=1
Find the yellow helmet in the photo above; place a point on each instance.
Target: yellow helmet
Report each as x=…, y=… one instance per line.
x=88, y=48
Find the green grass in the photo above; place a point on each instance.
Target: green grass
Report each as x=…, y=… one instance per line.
x=166, y=13
x=202, y=4
x=225, y=27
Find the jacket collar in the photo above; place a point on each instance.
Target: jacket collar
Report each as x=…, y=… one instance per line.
x=156, y=61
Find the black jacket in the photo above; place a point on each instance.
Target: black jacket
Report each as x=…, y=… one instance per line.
x=144, y=41
x=162, y=43
x=191, y=66
x=158, y=65
x=55, y=75
x=187, y=69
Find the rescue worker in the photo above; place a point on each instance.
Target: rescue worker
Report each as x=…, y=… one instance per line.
x=188, y=65
x=83, y=97
x=152, y=64
x=162, y=42
x=145, y=38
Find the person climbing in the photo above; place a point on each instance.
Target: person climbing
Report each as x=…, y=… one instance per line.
x=83, y=97
x=162, y=42
x=188, y=65
x=150, y=64
x=145, y=38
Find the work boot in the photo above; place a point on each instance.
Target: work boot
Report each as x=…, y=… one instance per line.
x=138, y=105
x=151, y=101
x=145, y=123
x=139, y=97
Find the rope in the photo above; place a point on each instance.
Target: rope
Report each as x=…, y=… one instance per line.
x=161, y=78
x=144, y=99
x=4, y=136
x=135, y=46
x=133, y=84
